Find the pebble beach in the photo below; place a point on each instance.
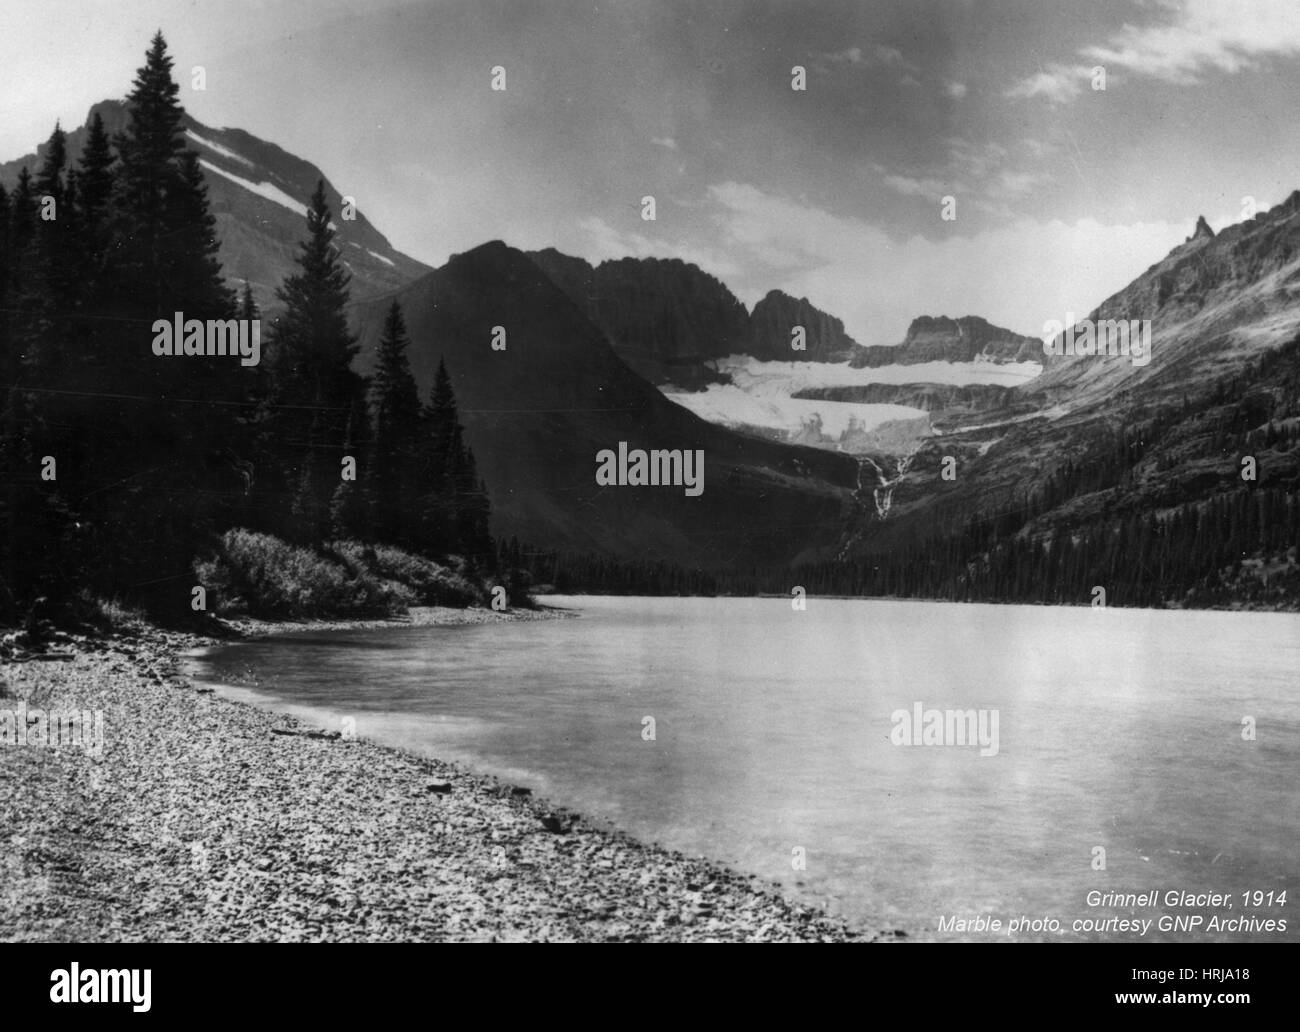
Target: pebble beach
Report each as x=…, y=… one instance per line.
x=208, y=819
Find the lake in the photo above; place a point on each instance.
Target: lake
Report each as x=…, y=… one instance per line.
x=775, y=748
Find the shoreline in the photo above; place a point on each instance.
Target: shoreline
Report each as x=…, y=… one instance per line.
x=211, y=819
x=247, y=628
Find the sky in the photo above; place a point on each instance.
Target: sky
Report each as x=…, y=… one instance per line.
x=1063, y=191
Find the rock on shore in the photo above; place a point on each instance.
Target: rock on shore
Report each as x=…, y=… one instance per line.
x=199, y=823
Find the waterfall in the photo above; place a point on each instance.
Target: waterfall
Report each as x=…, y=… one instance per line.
x=882, y=492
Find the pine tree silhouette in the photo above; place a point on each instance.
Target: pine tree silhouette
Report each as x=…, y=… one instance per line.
x=314, y=390
x=396, y=435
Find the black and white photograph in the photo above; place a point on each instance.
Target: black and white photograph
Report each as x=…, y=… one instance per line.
x=650, y=471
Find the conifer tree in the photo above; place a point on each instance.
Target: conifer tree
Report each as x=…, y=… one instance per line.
x=474, y=515
x=396, y=434
x=7, y=355
x=8, y=424
x=22, y=232
x=314, y=347
x=436, y=505
x=196, y=274
x=315, y=391
x=88, y=261
x=21, y=301
x=165, y=454
x=22, y=218
x=452, y=506
x=49, y=178
x=247, y=306
x=442, y=413
x=349, y=510
x=53, y=283
x=148, y=179
x=94, y=174
x=307, y=518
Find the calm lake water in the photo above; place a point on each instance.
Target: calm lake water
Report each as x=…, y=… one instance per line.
x=1119, y=729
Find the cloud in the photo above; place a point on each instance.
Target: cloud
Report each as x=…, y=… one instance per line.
x=979, y=159
x=892, y=57
x=910, y=187
x=853, y=56
x=1017, y=275
x=664, y=141
x=1039, y=149
x=977, y=171
x=877, y=56
x=1017, y=184
x=1204, y=36
x=1058, y=83
x=955, y=90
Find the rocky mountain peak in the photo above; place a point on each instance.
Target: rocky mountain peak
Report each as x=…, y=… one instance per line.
x=1202, y=231
x=258, y=194
x=940, y=338
x=778, y=313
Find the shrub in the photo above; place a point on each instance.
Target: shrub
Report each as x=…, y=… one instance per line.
x=263, y=576
x=432, y=583
x=110, y=615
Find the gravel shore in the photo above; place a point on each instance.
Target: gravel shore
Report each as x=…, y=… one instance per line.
x=205, y=819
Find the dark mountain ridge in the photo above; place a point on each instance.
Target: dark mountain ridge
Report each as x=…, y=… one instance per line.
x=665, y=318
x=537, y=413
x=775, y=317
x=671, y=321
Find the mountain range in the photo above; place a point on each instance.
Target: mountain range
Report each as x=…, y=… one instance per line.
x=671, y=321
x=1209, y=426
x=539, y=410
x=1091, y=442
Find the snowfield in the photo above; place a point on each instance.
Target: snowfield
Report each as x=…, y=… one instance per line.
x=769, y=406
x=800, y=375
x=760, y=393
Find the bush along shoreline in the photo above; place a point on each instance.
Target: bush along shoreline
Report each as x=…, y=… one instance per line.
x=258, y=575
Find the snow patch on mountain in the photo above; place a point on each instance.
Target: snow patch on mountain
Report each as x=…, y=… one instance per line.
x=760, y=395
x=746, y=371
x=267, y=190
x=216, y=148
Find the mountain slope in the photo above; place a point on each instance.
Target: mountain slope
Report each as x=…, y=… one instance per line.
x=1214, y=302
x=258, y=194
x=1179, y=477
x=537, y=413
